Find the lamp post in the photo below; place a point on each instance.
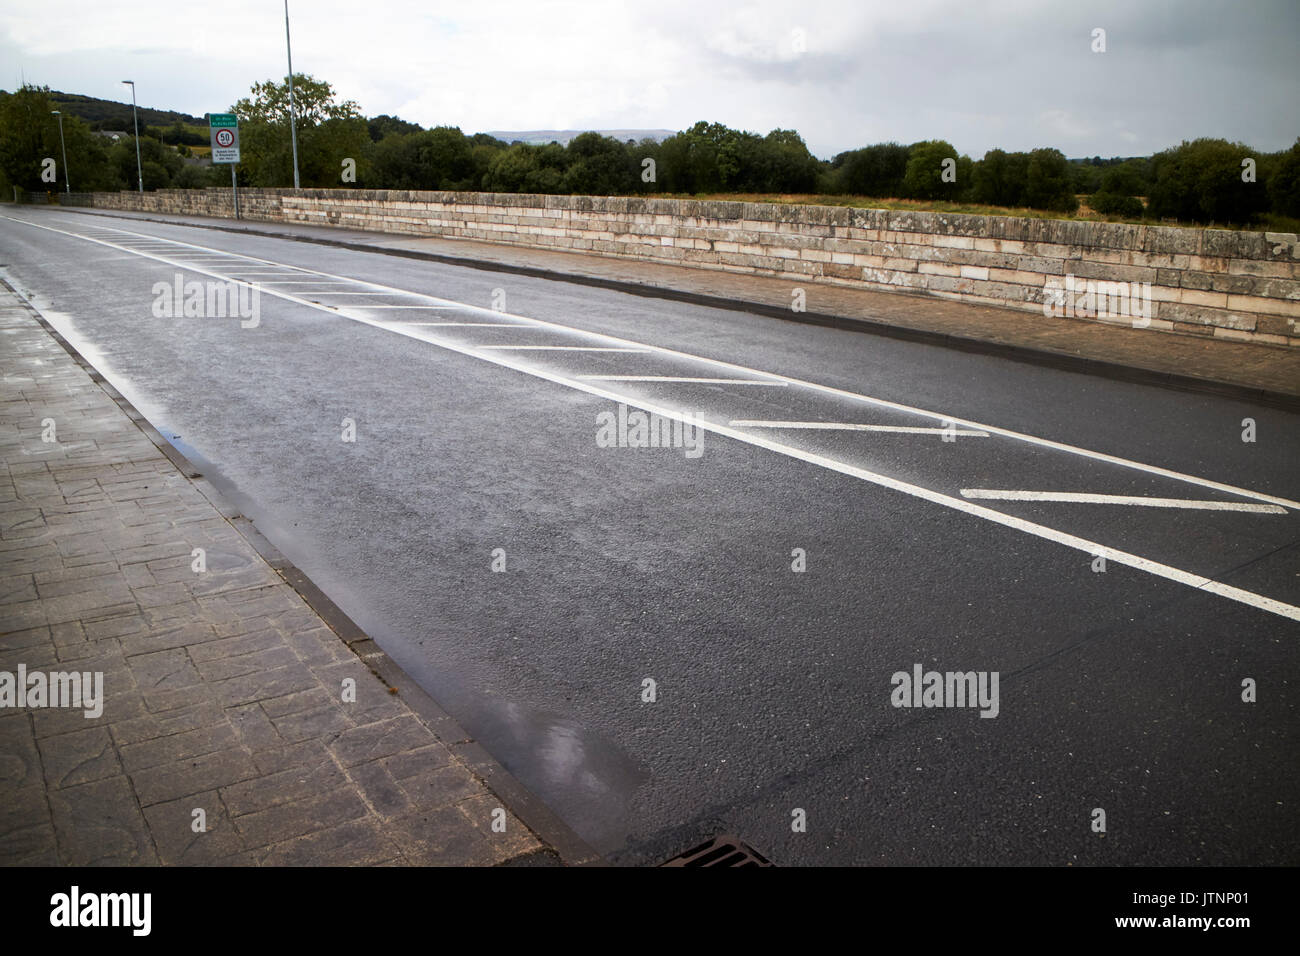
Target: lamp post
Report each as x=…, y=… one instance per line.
x=139, y=170
x=67, y=186
x=293, y=126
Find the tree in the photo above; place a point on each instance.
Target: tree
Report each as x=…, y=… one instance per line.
x=598, y=166
x=1201, y=181
x=29, y=134
x=527, y=169
x=784, y=165
x=872, y=171
x=1000, y=178
x=1048, y=182
x=329, y=132
x=1284, y=183
x=384, y=125
x=927, y=176
x=158, y=164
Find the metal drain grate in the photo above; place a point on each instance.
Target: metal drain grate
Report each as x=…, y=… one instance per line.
x=720, y=851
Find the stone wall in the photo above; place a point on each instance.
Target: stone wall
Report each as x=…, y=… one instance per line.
x=1243, y=286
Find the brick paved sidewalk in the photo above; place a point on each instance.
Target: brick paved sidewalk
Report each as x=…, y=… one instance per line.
x=223, y=691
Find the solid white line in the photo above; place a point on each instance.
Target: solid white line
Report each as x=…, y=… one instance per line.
x=1190, y=579
x=459, y=325
x=425, y=308
x=850, y=427
x=557, y=348
x=1091, y=499
x=676, y=378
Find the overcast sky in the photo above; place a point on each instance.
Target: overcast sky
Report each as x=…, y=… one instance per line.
x=1002, y=73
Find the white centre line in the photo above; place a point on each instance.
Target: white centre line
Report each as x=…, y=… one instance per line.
x=852, y=427
x=1191, y=579
x=1076, y=497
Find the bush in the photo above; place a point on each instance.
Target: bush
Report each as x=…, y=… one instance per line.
x=1113, y=204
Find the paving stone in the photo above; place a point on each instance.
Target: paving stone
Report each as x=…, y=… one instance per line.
x=439, y=837
x=100, y=823
x=483, y=810
x=380, y=790
x=441, y=787
x=193, y=775
x=79, y=757
x=382, y=739
x=288, y=820
x=287, y=786
x=177, y=747
x=173, y=823
x=355, y=843
x=164, y=670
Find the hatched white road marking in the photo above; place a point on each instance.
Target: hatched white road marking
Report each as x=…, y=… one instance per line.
x=557, y=348
x=853, y=427
x=1190, y=579
x=678, y=378
x=995, y=494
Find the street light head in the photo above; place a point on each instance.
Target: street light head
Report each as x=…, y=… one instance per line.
x=129, y=82
x=54, y=112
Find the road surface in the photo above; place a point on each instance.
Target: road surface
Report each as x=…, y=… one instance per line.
x=1116, y=554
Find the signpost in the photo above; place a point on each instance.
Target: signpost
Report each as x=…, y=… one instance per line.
x=223, y=130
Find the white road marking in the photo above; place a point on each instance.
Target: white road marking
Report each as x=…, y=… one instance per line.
x=458, y=325
x=425, y=308
x=1091, y=499
x=557, y=348
x=824, y=389
x=851, y=427
x=677, y=378
x=1092, y=548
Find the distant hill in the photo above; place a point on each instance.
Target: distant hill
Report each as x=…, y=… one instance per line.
x=110, y=114
x=562, y=136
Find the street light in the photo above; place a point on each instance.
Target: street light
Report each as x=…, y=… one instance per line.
x=139, y=170
x=67, y=186
x=293, y=127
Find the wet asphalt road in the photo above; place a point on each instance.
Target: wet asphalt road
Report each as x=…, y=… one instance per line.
x=1118, y=690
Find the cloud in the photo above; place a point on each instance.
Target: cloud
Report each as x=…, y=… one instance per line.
x=1008, y=73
